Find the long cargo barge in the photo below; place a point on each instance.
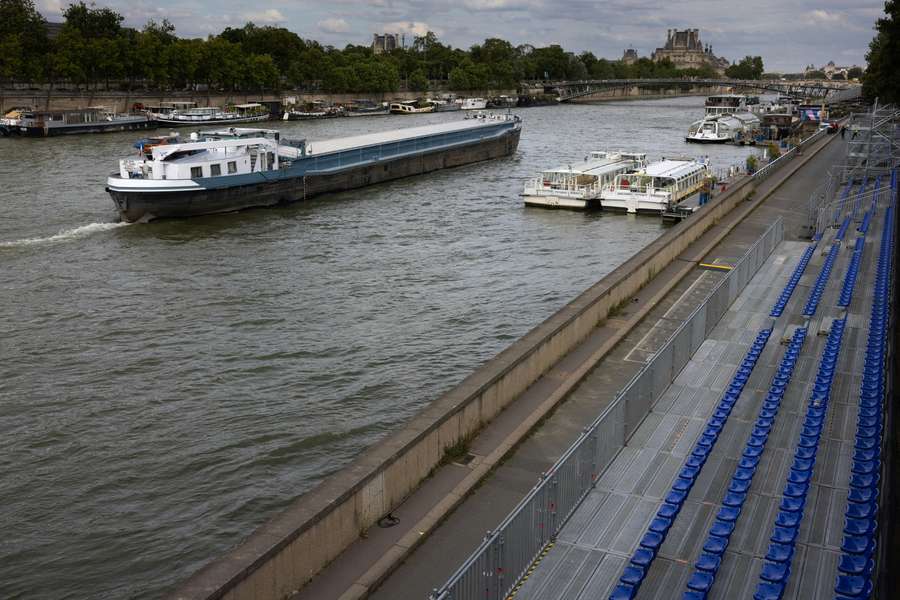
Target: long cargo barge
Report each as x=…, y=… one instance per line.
x=225, y=171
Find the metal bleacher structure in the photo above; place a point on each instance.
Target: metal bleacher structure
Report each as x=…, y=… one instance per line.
x=752, y=461
x=825, y=91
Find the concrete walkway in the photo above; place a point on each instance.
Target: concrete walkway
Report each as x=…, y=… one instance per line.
x=652, y=317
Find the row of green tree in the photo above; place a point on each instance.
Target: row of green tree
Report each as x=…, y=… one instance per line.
x=93, y=49
x=882, y=77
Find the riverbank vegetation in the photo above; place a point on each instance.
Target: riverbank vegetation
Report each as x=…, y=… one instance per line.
x=882, y=78
x=93, y=49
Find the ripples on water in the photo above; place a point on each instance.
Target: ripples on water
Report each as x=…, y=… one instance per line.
x=165, y=388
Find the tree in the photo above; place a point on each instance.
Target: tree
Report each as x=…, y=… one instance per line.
x=881, y=79
x=23, y=41
x=418, y=81
x=855, y=73
x=815, y=75
x=750, y=67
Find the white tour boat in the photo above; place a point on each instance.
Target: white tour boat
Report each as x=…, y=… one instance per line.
x=727, y=104
x=472, y=103
x=213, y=115
x=578, y=186
x=737, y=128
x=656, y=187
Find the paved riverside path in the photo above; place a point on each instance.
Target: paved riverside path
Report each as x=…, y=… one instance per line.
x=432, y=561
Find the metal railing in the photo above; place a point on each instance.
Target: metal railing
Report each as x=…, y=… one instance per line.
x=507, y=552
x=776, y=164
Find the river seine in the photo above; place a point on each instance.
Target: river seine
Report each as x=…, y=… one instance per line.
x=167, y=387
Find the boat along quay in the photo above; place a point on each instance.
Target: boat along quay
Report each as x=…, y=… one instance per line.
x=727, y=407
x=170, y=387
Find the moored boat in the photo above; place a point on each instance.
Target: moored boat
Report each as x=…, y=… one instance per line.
x=727, y=104
x=233, y=169
x=656, y=187
x=411, y=107
x=213, y=115
x=365, y=107
x=472, y=103
x=96, y=119
x=579, y=186
x=736, y=128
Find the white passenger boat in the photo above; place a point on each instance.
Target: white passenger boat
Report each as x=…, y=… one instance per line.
x=472, y=103
x=656, y=187
x=578, y=186
x=213, y=115
x=737, y=128
x=727, y=104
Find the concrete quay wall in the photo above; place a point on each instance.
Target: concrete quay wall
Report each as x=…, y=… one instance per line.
x=123, y=101
x=284, y=554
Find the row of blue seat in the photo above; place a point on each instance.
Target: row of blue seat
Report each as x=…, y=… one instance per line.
x=867, y=218
x=788, y=290
x=859, y=196
x=842, y=230
x=815, y=295
x=776, y=568
x=639, y=565
x=707, y=565
x=854, y=578
x=852, y=273
x=839, y=206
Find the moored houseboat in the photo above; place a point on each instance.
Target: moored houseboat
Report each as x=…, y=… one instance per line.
x=411, y=107
x=96, y=119
x=727, y=104
x=233, y=169
x=472, y=103
x=579, y=186
x=251, y=112
x=655, y=188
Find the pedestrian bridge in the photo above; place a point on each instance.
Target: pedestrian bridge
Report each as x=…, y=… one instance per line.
x=827, y=91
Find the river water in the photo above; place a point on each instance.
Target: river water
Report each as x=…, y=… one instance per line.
x=167, y=387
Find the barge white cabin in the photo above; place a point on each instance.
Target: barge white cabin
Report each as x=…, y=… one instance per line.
x=655, y=188
x=251, y=112
x=578, y=186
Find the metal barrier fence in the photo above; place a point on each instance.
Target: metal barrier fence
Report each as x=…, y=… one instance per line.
x=781, y=160
x=501, y=560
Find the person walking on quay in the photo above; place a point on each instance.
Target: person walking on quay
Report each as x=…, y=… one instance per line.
x=843, y=131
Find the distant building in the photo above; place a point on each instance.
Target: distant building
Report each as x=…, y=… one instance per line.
x=630, y=57
x=686, y=51
x=385, y=42
x=831, y=70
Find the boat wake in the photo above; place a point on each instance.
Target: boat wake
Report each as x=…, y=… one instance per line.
x=65, y=235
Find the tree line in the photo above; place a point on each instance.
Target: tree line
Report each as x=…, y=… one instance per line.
x=94, y=49
x=882, y=78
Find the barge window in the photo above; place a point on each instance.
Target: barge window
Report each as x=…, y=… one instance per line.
x=215, y=170
x=232, y=167
x=196, y=172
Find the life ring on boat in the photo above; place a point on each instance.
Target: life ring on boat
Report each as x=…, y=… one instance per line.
x=625, y=184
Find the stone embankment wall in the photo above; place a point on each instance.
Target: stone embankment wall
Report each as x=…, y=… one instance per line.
x=123, y=101
x=284, y=554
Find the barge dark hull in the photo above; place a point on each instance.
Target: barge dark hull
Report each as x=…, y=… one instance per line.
x=99, y=127
x=146, y=206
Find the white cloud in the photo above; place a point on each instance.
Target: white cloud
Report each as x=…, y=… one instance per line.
x=825, y=17
x=417, y=28
x=498, y=4
x=271, y=15
x=51, y=7
x=334, y=26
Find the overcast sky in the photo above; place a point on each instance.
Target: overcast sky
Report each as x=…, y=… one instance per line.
x=788, y=34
